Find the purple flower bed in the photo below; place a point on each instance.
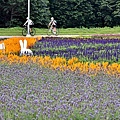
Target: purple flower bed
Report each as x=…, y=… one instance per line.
x=31, y=92
x=84, y=49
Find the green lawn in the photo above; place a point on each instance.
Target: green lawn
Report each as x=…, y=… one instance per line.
x=16, y=31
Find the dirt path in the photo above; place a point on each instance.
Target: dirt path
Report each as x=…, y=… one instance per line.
x=104, y=35
x=60, y=36
x=5, y=37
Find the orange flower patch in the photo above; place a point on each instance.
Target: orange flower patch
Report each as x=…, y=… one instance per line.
x=62, y=64
x=12, y=44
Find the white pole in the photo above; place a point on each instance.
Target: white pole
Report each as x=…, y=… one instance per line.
x=28, y=27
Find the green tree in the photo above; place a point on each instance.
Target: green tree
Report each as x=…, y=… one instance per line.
x=106, y=12
x=11, y=11
x=72, y=13
x=96, y=21
x=40, y=12
x=116, y=13
x=14, y=12
x=68, y=13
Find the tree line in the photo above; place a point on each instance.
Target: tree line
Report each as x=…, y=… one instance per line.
x=68, y=13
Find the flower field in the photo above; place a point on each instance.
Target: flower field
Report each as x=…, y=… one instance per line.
x=84, y=49
x=66, y=79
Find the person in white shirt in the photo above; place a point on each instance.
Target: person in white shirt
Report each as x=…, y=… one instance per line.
x=52, y=25
x=30, y=23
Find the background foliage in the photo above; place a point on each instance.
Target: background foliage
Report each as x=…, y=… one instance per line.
x=68, y=13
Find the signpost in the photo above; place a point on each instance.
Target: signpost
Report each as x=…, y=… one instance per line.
x=28, y=27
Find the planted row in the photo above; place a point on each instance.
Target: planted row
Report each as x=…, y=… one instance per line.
x=84, y=49
x=62, y=64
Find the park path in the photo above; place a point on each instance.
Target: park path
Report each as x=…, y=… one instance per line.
x=3, y=37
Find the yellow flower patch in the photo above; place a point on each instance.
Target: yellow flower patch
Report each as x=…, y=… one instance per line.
x=63, y=64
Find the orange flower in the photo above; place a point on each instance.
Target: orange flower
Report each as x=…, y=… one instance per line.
x=62, y=64
x=105, y=65
x=12, y=44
